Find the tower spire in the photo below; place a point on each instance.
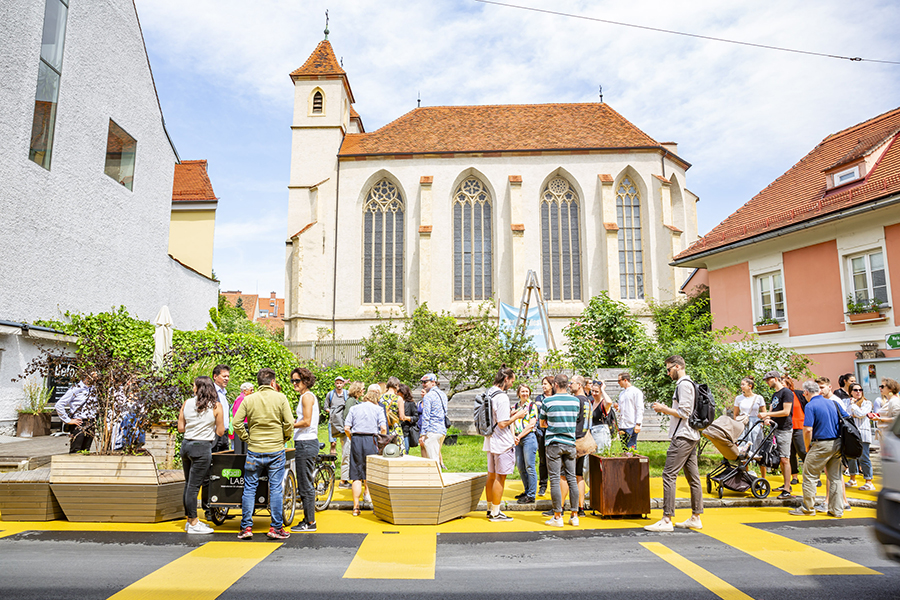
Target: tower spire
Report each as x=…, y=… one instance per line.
x=326, y=24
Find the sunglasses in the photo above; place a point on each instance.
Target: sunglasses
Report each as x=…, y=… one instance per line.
x=881, y=386
x=296, y=381
x=855, y=390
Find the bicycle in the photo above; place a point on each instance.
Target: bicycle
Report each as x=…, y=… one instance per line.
x=323, y=480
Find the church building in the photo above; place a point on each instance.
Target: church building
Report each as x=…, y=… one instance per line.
x=454, y=205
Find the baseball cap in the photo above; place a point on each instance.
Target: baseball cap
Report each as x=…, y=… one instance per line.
x=339, y=378
x=772, y=375
x=429, y=377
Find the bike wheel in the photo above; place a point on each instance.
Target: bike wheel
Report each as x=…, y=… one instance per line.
x=218, y=514
x=290, y=498
x=323, y=480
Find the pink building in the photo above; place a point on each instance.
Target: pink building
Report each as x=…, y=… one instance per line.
x=824, y=233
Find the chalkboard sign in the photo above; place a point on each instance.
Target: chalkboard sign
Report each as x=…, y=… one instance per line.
x=63, y=375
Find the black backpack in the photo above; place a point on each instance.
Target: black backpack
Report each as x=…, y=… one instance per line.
x=704, y=411
x=851, y=439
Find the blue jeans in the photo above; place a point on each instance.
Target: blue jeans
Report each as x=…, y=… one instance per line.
x=630, y=437
x=526, y=453
x=863, y=461
x=255, y=465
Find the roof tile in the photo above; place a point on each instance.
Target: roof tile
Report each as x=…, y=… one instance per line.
x=321, y=62
x=191, y=182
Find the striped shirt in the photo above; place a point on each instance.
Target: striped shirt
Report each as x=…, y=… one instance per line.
x=561, y=413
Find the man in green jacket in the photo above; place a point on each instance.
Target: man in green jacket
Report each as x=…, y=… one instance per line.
x=269, y=425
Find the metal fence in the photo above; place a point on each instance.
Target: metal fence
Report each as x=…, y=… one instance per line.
x=327, y=352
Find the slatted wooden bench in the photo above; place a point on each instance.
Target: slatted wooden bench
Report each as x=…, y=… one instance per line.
x=26, y=496
x=410, y=490
x=116, y=488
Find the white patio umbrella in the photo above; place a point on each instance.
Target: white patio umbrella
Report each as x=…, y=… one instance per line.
x=162, y=337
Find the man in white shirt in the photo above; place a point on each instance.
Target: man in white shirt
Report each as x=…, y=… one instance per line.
x=221, y=374
x=631, y=410
x=500, y=445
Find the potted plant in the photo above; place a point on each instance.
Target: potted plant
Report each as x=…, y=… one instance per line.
x=34, y=416
x=620, y=482
x=864, y=309
x=452, y=436
x=767, y=325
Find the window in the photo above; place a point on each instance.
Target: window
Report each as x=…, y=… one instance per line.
x=120, y=149
x=472, y=249
x=846, y=176
x=318, y=103
x=868, y=279
x=43, y=124
x=560, y=250
x=383, y=245
x=631, y=262
x=770, y=296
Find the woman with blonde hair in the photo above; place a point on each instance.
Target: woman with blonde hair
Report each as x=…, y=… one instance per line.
x=364, y=420
x=394, y=411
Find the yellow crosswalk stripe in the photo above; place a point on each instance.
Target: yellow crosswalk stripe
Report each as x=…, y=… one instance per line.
x=788, y=555
x=202, y=574
x=394, y=556
x=719, y=587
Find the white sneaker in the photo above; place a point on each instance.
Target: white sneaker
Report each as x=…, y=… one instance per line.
x=692, y=523
x=573, y=521
x=554, y=522
x=200, y=527
x=660, y=526
x=367, y=498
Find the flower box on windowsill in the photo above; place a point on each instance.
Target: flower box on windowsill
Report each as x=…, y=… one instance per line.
x=867, y=317
x=768, y=328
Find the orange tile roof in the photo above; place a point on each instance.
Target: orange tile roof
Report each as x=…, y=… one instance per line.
x=800, y=194
x=353, y=113
x=451, y=129
x=248, y=302
x=191, y=182
x=605, y=177
x=321, y=62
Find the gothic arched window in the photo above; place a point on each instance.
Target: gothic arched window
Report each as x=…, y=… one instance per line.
x=383, y=245
x=472, y=241
x=631, y=261
x=318, y=105
x=560, y=241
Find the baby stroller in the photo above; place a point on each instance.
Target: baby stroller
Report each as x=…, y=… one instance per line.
x=728, y=435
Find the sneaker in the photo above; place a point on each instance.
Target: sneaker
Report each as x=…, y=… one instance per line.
x=367, y=498
x=580, y=511
x=245, y=534
x=547, y=513
x=794, y=481
x=867, y=487
x=304, y=528
x=821, y=507
x=831, y=514
x=660, y=526
x=186, y=525
x=573, y=521
x=847, y=508
x=278, y=534
x=802, y=512
x=200, y=527
x=785, y=495
x=524, y=500
x=554, y=522
x=345, y=485
x=692, y=523
x=543, y=490
x=851, y=483
x=499, y=517
x=522, y=495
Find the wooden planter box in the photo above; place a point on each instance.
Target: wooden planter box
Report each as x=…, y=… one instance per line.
x=869, y=316
x=413, y=491
x=26, y=496
x=160, y=442
x=768, y=328
x=116, y=488
x=33, y=425
x=620, y=485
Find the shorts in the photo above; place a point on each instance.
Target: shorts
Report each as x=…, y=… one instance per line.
x=503, y=463
x=783, y=439
x=579, y=465
x=362, y=445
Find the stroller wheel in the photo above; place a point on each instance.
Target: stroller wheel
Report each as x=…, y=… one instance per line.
x=708, y=486
x=760, y=488
x=720, y=491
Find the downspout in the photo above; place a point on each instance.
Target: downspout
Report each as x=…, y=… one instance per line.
x=337, y=199
x=662, y=162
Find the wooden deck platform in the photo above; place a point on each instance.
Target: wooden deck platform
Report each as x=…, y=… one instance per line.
x=410, y=490
x=26, y=496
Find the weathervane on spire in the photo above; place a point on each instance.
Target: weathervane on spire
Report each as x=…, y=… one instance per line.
x=601, y=94
x=326, y=24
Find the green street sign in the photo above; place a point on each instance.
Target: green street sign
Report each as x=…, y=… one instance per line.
x=893, y=341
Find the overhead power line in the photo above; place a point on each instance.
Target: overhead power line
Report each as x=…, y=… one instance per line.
x=693, y=35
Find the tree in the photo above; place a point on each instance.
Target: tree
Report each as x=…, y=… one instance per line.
x=604, y=335
x=226, y=318
x=468, y=352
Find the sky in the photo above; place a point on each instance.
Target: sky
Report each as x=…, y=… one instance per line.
x=741, y=115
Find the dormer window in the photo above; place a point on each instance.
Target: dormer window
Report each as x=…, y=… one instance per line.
x=318, y=103
x=846, y=176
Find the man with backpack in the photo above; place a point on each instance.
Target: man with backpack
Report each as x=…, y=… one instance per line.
x=682, y=452
x=500, y=443
x=335, y=402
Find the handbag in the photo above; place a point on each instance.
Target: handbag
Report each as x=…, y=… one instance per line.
x=851, y=439
x=602, y=436
x=383, y=439
x=585, y=445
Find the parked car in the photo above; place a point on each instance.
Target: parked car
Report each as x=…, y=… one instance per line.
x=887, y=518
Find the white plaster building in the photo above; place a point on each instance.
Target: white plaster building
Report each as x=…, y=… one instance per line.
x=87, y=169
x=453, y=205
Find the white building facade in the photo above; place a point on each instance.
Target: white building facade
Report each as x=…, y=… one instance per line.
x=87, y=172
x=454, y=205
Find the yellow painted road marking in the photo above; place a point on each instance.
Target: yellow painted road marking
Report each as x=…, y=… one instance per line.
x=394, y=556
x=717, y=586
x=204, y=573
x=788, y=555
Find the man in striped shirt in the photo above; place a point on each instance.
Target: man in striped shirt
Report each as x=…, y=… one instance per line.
x=559, y=414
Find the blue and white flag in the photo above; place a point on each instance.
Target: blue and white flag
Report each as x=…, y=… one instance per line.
x=533, y=327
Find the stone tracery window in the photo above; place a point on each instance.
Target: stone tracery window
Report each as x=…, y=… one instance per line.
x=560, y=241
x=631, y=261
x=383, y=245
x=472, y=241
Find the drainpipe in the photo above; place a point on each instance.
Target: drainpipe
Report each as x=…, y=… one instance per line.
x=337, y=199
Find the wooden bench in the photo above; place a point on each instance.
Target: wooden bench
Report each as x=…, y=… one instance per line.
x=116, y=488
x=26, y=496
x=410, y=490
